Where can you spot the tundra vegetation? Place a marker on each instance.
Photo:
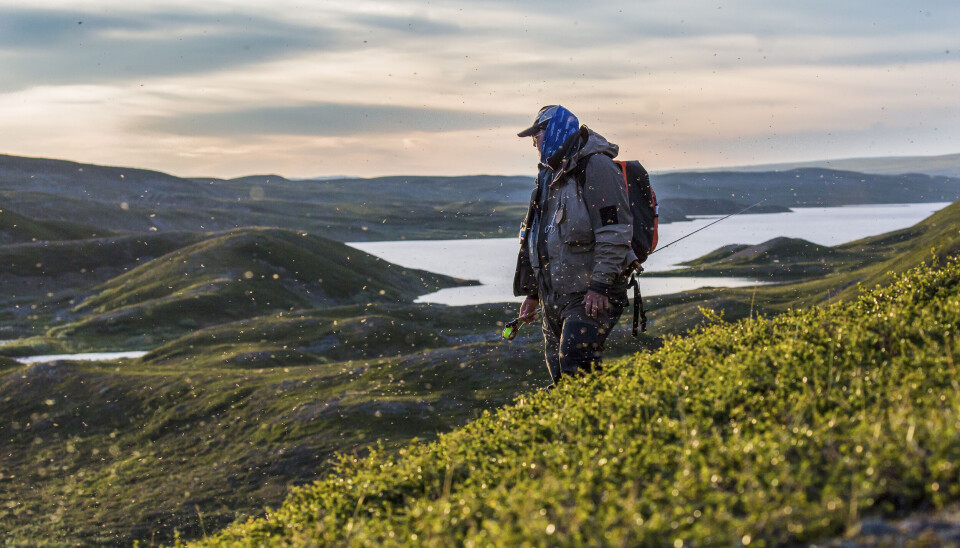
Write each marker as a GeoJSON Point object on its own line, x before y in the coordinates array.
{"type": "Point", "coordinates": [279, 355]}
{"type": "Point", "coordinates": [766, 432]}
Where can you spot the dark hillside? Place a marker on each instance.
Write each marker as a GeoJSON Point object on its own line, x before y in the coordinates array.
{"type": "Point", "coordinates": [808, 187]}
{"type": "Point", "coordinates": [97, 183]}
{"type": "Point", "coordinates": [239, 274]}
{"type": "Point", "coordinates": [390, 208]}
{"type": "Point", "coordinates": [15, 228]}
{"type": "Point", "coordinates": [775, 260]}
{"type": "Point", "coordinates": [42, 280]}
{"type": "Point", "coordinates": [130, 451]}
{"type": "Point", "coordinates": [90, 256]}
{"type": "Point", "coordinates": [410, 189]}
{"type": "Point", "coordinates": [947, 165]}
{"type": "Point", "coordinates": [133, 200]}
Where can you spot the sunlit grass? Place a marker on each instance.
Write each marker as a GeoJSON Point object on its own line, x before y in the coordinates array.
{"type": "Point", "coordinates": [764, 432]}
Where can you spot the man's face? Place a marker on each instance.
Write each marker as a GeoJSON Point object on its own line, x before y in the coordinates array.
{"type": "Point", "coordinates": [538, 139]}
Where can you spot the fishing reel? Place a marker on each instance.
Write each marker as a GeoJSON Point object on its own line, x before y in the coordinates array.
{"type": "Point", "coordinates": [511, 328]}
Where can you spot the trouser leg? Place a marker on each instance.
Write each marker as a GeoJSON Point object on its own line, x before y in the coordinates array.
{"type": "Point", "coordinates": [573, 340]}
{"type": "Point", "coordinates": [552, 331]}
{"type": "Point", "coordinates": [580, 347]}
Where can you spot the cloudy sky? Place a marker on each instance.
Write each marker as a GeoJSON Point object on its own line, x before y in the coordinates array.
{"type": "Point", "coordinates": [361, 87]}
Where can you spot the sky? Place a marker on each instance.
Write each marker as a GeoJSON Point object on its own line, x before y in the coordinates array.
{"type": "Point", "coordinates": [368, 88]}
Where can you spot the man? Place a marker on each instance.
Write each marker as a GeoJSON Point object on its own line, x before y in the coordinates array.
{"type": "Point", "coordinates": [575, 251]}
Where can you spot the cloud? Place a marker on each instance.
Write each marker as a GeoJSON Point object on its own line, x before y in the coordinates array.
{"type": "Point", "coordinates": [324, 119]}
{"type": "Point", "coordinates": [402, 81]}
{"type": "Point", "coordinates": [669, 19]}
{"type": "Point", "coordinates": [43, 47]}
{"type": "Point", "coordinates": [419, 26]}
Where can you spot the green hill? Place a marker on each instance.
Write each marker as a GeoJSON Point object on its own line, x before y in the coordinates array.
{"type": "Point", "coordinates": [239, 274]}
{"type": "Point", "coordinates": [765, 432]}
{"type": "Point", "coordinates": [16, 228]}
{"type": "Point", "coordinates": [43, 280]}
{"type": "Point", "coordinates": [216, 424]}
{"type": "Point", "coordinates": [779, 259]}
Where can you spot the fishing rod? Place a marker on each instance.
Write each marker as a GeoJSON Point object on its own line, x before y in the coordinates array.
{"type": "Point", "coordinates": [511, 328]}
{"type": "Point", "coordinates": [707, 226]}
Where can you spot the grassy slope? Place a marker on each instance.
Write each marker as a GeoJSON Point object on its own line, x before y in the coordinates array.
{"type": "Point", "coordinates": [112, 453]}
{"type": "Point", "coordinates": [230, 469]}
{"type": "Point", "coordinates": [15, 228]}
{"type": "Point", "coordinates": [43, 280]}
{"type": "Point", "coordinates": [334, 334]}
{"type": "Point", "coordinates": [779, 259]}
{"type": "Point", "coordinates": [220, 278]}
{"type": "Point", "coordinates": [765, 432]}
{"type": "Point", "coordinates": [866, 262]}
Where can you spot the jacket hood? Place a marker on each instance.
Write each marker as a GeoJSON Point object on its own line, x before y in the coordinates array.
{"type": "Point", "coordinates": [595, 143]}
{"type": "Point", "coordinates": [581, 144]}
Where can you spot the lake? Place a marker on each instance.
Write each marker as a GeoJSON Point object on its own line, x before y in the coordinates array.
{"type": "Point", "coordinates": [492, 261]}
{"type": "Point", "coordinates": [91, 356]}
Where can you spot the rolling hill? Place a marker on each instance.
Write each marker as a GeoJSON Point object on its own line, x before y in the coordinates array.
{"type": "Point", "coordinates": [216, 279]}
{"type": "Point", "coordinates": [390, 208]}
{"type": "Point", "coordinates": [777, 259]}
{"type": "Point", "coordinates": [15, 228]}
{"type": "Point", "coordinates": [133, 200]}
{"type": "Point", "coordinates": [213, 428]}
{"type": "Point", "coordinates": [807, 187]}
{"type": "Point", "coordinates": [947, 165]}
{"type": "Point", "coordinates": [242, 397]}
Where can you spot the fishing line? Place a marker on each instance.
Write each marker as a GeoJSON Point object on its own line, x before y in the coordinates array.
{"type": "Point", "coordinates": [707, 226]}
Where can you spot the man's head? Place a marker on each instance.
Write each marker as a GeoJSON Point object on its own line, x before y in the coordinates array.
{"type": "Point", "coordinates": [552, 126]}
{"type": "Point", "coordinates": [540, 122]}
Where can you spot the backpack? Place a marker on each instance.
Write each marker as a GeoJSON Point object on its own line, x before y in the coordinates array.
{"type": "Point", "coordinates": [646, 226]}
{"type": "Point", "coordinates": [643, 207]}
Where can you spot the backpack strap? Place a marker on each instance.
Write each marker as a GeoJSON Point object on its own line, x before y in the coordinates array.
{"type": "Point", "coordinates": [639, 314]}
{"type": "Point", "coordinates": [626, 182]}
{"type": "Point", "coordinates": [580, 171]}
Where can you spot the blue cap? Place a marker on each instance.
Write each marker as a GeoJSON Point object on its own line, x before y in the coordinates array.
{"type": "Point", "coordinates": [540, 122]}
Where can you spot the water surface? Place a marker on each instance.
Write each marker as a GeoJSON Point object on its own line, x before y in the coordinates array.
{"type": "Point", "coordinates": [492, 261]}
{"type": "Point", "coordinates": [90, 356]}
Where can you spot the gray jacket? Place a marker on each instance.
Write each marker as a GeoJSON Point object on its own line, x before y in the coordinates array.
{"type": "Point", "coordinates": [578, 227]}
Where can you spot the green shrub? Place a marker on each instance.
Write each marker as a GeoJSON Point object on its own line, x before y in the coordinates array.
{"type": "Point", "coordinates": [764, 432]}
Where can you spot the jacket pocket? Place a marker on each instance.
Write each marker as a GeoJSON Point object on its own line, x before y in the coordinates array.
{"type": "Point", "coordinates": [575, 228]}
{"type": "Point", "coordinates": [573, 271]}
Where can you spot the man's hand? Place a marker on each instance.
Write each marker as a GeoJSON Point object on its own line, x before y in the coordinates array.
{"type": "Point", "coordinates": [528, 310]}
{"type": "Point", "coordinates": [595, 304]}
